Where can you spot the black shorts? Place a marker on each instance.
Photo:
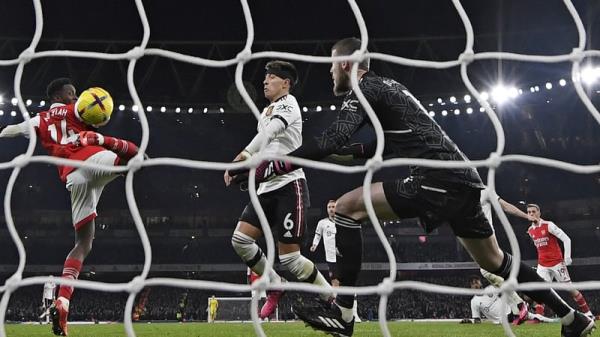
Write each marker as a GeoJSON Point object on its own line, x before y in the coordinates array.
{"type": "Point", "coordinates": [285, 209]}
{"type": "Point", "coordinates": [436, 203]}
{"type": "Point", "coordinates": [332, 270]}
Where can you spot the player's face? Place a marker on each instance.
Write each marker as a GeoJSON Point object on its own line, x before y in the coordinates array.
{"type": "Point", "coordinates": [67, 95]}
{"type": "Point", "coordinates": [341, 78]}
{"type": "Point", "coordinates": [534, 212]}
{"type": "Point", "coordinates": [331, 209]}
{"type": "Point", "coordinates": [476, 284]}
{"type": "Point", "coordinates": [274, 87]}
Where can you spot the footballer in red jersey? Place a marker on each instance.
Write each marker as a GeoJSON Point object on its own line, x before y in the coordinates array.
{"type": "Point", "coordinates": [551, 263]}
{"type": "Point", "coordinates": [64, 134]}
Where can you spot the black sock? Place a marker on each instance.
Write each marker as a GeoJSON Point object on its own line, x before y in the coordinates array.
{"type": "Point", "coordinates": [348, 240]}
{"type": "Point", "coordinates": [527, 274]}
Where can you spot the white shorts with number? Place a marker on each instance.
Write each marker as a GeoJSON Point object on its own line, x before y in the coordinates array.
{"type": "Point", "coordinates": [86, 187]}
{"type": "Point", "coordinates": [558, 272]}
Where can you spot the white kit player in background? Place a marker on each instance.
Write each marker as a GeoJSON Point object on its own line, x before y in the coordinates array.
{"type": "Point", "coordinates": [326, 230]}
{"type": "Point", "coordinates": [48, 296]}
{"type": "Point", "coordinates": [551, 264]}
{"type": "Point", "coordinates": [490, 306]}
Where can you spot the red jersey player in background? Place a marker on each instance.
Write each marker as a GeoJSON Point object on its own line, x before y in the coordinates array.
{"type": "Point", "coordinates": [551, 264]}
{"type": "Point", "coordinates": [64, 134]}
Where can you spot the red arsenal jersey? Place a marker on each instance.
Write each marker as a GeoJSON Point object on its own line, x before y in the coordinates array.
{"type": "Point", "coordinates": [549, 253]}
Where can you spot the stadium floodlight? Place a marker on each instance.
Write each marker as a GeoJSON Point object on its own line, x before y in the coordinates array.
{"type": "Point", "coordinates": [485, 96]}
{"type": "Point", "coordinates": [562, 82]}
{"type": "Point", "coordinates": [14, 101]}
{"type": "Point", "coordinates": [520, 91]}
{"type": "Point", "coordinates": [205, 110]}
{"type": "Point", "coordinates": [177, 110]}
{"type": "Point", "coordinates": [1, 112]}
{"type": "Point", "coordinates": [440, 100]}
{"type": "Point", "coordinates": [537, 88]}
{"type": "Point", "coordinates": [467, 98]}
{"type": "Point", "coordinates": [590, 75]}
{"type": "Point", "coordinates": [222, 110]}
{"type": "Point", "coordinates": [13, 113]}
{"type": "Point", "coordinates": [163, 109]}
{"type": "Point", "coordinates": [28, 102]}
{"type": "Point", "coordinates": [149, 108]}
{"type": "Point", "coordinates": [532, 89]}
{"type": "Point", "coordinates": [548, 85]}
{"type": "Point", "coordinates": [430, 104]}
{"type": "Point", "coordinates": [121, 107]}
{"type": "Point", "coordinates": [134, 108]}
{"type": "Point", "coordinates": [1, 99]}
{"type": "Point", "coordinates": [513, 92]}
{"type": "Point", "coordinates": [305, 109]}
{"type": "Point", "coordinates": [190, 110]}
{"type": "Point", "coordinates": [444, 113]}
{"type": "Point", "coordinates": [457, 112]}
{"type": "Point", "coordinates": [469, 110]}
{"type": "Point", "coordinates": [319, 108]}
{"type": "Point", "coordinates": [481, 109]}
{"type": "Point", "coordinates": [432, 113]}
{"type": "Point", "coordinates": [332, 107]}
{"type": "Point", "coordinates": [452, 99]}
{"type": "Point", "coordinates": [42, 103]}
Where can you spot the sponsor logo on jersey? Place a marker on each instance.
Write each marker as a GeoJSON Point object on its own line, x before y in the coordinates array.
{"type": "Point", "coordinates": [350, 105]}
{"type": "Point", "coordinates": [284, 108]}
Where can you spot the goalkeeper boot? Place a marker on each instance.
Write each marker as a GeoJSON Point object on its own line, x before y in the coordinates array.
{"type": "Point", "coordinates": [523, 314]}
{"type": "Point", "coordinates": [325, 318]}
{"type": "Point", "coordinates": [580, 327]}
{"type": "Point", "coordinates": [270, 305]}
{"type": "Point", "coordinates": [59, 311]}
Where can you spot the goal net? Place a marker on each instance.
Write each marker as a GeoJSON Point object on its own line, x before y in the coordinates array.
{"type": "Point", "coordinates": [245, 309]}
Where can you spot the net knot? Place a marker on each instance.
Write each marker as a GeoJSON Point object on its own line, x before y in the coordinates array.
{"type": "Point", "coordinates": [20, 161]}
{"type": "Point", "coordinates": [374, 164]}
{"type": "Point", "coordinates": [136, 285]}
{"type": "Point", "coordinates": [386, 287]}
{"type": "Point", "coordinates": [12, 283]}
{"type": "Point", "coordinates": [509, 285]}
{"type": "Point", "coordinates": [244, 56]}
{"type": "Point", "coordinates": [26, 55]}
{"type": "Point", "coordinates": [135, 163]}
{"type": "Point", "coordinates": [135, 53]}
{"type": "Point", "coordinates": [577, 55]}
{"type": "Point", "coordinates": [466, 57]}
{"type": "Point", "coordinates": [495, 160]}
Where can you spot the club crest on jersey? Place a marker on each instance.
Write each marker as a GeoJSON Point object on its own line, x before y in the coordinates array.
{"type": "Point", "coordinates": [269, 111]}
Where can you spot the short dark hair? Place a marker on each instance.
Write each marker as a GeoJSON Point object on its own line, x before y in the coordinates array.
{"type": "Point", "coordinates": [56, 86]}
{"type": "Point", "coordinates": [348, 46]}
{"type": "Point", "coordinates": [283, 69]}
{"type": "Point", "coordinates": [474, 278]}
{"type": "Point", "coordinates": [330, 201]}
{"type": "Point", "coordinates": [534, 206]}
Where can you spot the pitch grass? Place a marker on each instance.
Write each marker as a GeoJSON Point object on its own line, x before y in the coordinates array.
{"type": "Point", "coordinates": [367, 329]}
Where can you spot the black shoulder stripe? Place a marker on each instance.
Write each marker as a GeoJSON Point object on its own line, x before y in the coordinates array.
{"type": "Point", "coordinates": [285, 123]}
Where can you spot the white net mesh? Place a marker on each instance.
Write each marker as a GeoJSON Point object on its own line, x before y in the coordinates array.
{"type": "Point", "coordinates": [385, 288]}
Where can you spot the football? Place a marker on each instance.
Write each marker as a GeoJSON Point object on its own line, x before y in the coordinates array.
{"type": "Point", "coordinates": [94, 106]}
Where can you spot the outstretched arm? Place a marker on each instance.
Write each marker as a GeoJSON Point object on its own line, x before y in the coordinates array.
{"type": "Point", "coordinates": [514, 210]}
{"type": "Point", "coordinates": [21, 129]}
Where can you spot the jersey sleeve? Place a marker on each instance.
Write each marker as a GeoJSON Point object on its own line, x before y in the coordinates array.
{"type": "Point", "coordinates": [350, 117]}
{"type": "Point", "coordinates": [318, 233]}
{"type": "Point", "coordinates": [267, 134]}
{"type": "Point", "coordinates": [475, 313]}
{"type": "Point", "coordinates": [562, 236]}
{"type": "Point", "coordinates": [287, 112]}
{"type": "Point", "coordinates": [21, 129]}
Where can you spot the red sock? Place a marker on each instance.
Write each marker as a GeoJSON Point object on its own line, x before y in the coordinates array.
{"type": "Point", "coordinates": [123, 148]}
{"type": "Point", "coordinates": [539, 309]}
{"type": "Point", "coordinates": [70, 270]}
{"type": "Point", "coordinates": [583, 306]}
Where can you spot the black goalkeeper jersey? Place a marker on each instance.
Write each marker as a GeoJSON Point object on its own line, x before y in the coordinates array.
{"type": "Point", "coordinates": [409, 131]}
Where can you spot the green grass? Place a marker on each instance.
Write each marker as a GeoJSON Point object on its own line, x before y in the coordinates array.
{"type": "Point", "coordinates": [370, 329]}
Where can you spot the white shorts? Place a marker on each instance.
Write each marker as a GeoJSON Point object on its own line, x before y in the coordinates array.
{"type": "Point", "coordinates": [86, 187]}
{"type": "Point", "coordinates": [558, 272]}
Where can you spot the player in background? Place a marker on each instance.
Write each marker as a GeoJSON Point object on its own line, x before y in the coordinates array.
{"type": "Point", "coordinates": [213, 306]}
{"type": "Point", "coordinates": [435, 195]}
{"type": "Point", "coordinates": [48, 297]}
{"type": "Point", "coordinates": [551, 264]}
{"type": "Point", "coordinates": [326, 230]}
{"type": "Point", "coordinates": [63, 134]}
{"type": "Point", "coordinates": [490, 307]}
{"type": "Point", "coordinates": [284, 198]}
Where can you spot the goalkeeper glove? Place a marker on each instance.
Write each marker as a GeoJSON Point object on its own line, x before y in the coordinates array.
{"type": "Point", "coordinates": [269, 169]}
